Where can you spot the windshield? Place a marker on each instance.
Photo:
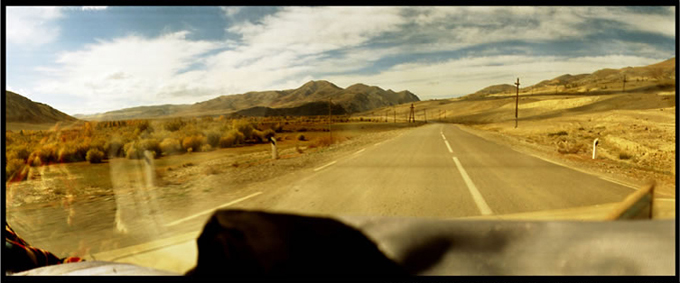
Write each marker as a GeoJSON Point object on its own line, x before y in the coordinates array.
{"type": "Point", "coordinates": [127, 127]}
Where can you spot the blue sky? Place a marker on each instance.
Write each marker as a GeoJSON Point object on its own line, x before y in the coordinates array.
{"type": "Point", "coordinates": [84, 60]}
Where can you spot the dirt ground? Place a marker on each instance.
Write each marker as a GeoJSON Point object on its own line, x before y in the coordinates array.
{"type": "Point", "coordinates": [78, 209]}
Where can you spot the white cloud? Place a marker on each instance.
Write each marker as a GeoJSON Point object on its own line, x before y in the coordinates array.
{"type": "Point", "coordinates": [231, 11]}
{"type": "Point", "coordinates": [32, 26]}
{"type": "Point", "coordinates": [467, 75]}
{"type": "Point", "coordinates": [93, 8]}
{"type": "Point", "coordinates": [131, 69]}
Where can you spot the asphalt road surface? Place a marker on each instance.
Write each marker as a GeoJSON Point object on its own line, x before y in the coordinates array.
{"type": "Point", "coordinates": [437, 170]}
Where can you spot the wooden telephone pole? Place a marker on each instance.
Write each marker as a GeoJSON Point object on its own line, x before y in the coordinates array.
{"type": "Point", "coordinates": [516, 102]}
{"type": "Point", "coordinates": [330, 132]}
{"type": "Point", "coordinates": [412, 115]}
{"type": "Point", "coordinates": [624, 83]}
{"type": "Point", "coordinates": [425, 115]}
{"type": "Point", "coordinates": [395, 115]}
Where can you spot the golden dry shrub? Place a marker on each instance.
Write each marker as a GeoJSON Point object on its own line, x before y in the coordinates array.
{"type": "Point", "coordinates": [151, 145]}
{"type": "Point", "coordinates": [174, 125]}
{"type": "Point", "coordinates": [268, 133]}
{"type": "Point", "coordinates": [44, 155]}
{"type": "Point", "coordinates": [170, 146]}
{"type": "Point", "coordinates": [257, 135]}
{"type": "Point", "coordinates": [323, 142]}
{"type": "Point", "coordinates": [14, 167]}
{"type": "Point", "coordinates": [227, 141]}
{"type": "Point", "coordinates": [81, 149]}
{"type": "Point", "coordinates": [67, 153]}
{"type": "Point", "coordinates": [114, 148]}
{"type": "Point", "coordinates": [94, 156]}
{"type": "Point", "coordinates": [132, 150]}
{"type": "Point", "coordinates": [213, 138]}
{"type": "Point", "coordinates": [206, 147]}
{"type": "Point", "coordinates": [245, 127]}
{"type": "Point", "coordinates": [18, 151]}
{"type": "Point", "coordinates": [193, 142]}
{"type": "Point", "coordinates": [232, 138]}
{"type": "Point", "coordinates": [301, 137]}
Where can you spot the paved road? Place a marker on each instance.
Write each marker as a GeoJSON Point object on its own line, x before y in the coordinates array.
{"type": "Point", "coordinates": [437, 170]}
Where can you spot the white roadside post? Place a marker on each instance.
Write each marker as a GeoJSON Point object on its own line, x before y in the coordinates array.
{"type": "Point", "coordinates": [275, 154]}
{"type": "Point", "coordinates": [595, 142]}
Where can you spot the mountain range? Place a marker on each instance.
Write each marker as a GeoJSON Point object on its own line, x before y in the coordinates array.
{"type": "Point", "coordinates": [301, 101]}
{"type": "Point", "coordinates": [662, 73]}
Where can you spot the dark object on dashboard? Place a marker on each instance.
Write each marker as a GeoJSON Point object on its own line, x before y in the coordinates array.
{"type": "Point", "coordinates": [238, 242]}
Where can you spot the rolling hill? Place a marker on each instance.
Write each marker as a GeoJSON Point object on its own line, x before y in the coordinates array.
{"type": "Point", "coordinates": [300, 101]}
{"type": "Point", "coordinates": [656, 75]}
{"type": "Point", "coordinates": [19, 109]}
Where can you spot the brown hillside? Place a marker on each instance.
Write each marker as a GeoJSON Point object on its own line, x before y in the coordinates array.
{"type": "Point", "coordinates": [19, 109]}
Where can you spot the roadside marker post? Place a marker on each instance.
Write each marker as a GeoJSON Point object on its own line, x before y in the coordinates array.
{"type": "Point", "coordinates": [595, 143]}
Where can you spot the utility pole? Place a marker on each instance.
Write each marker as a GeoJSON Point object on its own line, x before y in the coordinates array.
{"type": "Point", "coordinates": [387, 114]}
{"type": "Point", "coordinates": [412, 115]}
{"type": "Point", "coordinates": [330, 131]}
{"type": "Point", "coordinates": [425, 115]}
{"type": "Point", "coordinates": [516, 102]}
{"type": "Point", "coordinates": [440, 115]}
{"type": "Point", "coordinates": [624, 83]}
{"type": "Point", "coordinates": [395, 115]}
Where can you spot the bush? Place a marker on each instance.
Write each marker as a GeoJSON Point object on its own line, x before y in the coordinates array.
{"type": "Point", "coordinates": [213, 139]}
{"type": "Point", "coordinates": [567, 147]}
{"type": "Point", "coordinates": [206, 147]}
{"type": "Point", "coordinates": [20, 152]}
{"type": "Point", "coordinates": [245, 127]}
{"type": "Point", "coordinates": [173, 125]}
{"type": "Point", "coordinates": [68, 154]}
{"type": "Point", "coordinates": [14, 166]}
{"type": "Point", "coordinates": [323, 142]}
{"type": "Point", "coordinates": [170, 146]}
{"type": "Point", "coordinates": [268, 133]}
{"type": "Point", "coordinates": [151, 145]}
{"type": "Point", "coordinates": [94, 156]}
{"type": "Point", "coordinates": [114, 148]}
{"type": "Point", "coordinates": [44, 155]}
{"type": "Point", "coordinates": [226, 141]}
{"type": "Point", "coordinates": [560, 133]}
{"type": "Point", "coordinates": [193, 142]}
{"type": "Point", "coordinates": [257, 135]}
{"type": "Point", "coordinates": [301, 137]}
{"type": "Point", "coordinates": [81, 151]}
{"type": "Point", "coordinates": [132, 150]}
{"type": "Point", "coordinates": [277, 128]}
{"type": "Point", "coordinates": [624, 155]}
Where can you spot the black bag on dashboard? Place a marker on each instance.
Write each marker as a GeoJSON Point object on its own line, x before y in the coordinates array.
{"type": "Point", "coordinates": [237, 242]}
